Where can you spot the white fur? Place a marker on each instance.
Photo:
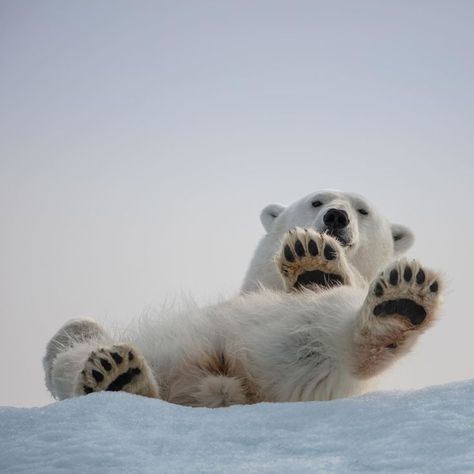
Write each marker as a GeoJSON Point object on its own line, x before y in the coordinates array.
{"type": "Point", "coordinates": [374, 245]}
{"type": "Point", "coordinates": [280, 346]}
{"type": "Point", "coordinates": [282, 340]}
{"type": "Point", "coordinates": [266, 345]}
{"type": "Point", "coordinates": [297, 346]}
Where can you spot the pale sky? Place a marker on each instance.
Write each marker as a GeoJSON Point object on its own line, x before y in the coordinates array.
{"type": "Point", "coordinates": [139, 142]}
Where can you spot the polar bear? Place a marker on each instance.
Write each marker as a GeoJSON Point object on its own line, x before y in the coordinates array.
{"type": "Point", "coordinates": [269, 345]}
{"type": "Point", "coordinates": [369, 240]}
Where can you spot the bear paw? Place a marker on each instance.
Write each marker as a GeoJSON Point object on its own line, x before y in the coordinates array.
{"type": "Point", "coordinates": [310, 259]}
{"type": "Point", "coordinates": [405, 290]}
{"type": "Point", "coordinates": [115, 368]}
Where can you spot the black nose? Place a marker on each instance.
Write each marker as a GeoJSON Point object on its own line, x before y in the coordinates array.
{"type": "Point", "coordinates": [336, 219]}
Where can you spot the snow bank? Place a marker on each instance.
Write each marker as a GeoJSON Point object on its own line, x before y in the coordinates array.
{"type": "Point", "coordinates": [430, 430]}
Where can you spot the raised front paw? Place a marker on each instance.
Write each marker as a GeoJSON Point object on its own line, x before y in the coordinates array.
{"type": "Point", "coordinates": [310, 259]}
{"type": "Point", "coordinates": [115, 368]}
{"type": "Point", "coordinates": [406, 290]}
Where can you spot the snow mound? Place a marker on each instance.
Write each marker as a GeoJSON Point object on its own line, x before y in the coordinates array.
{"type": "Point", "coordinates": [430, 430]}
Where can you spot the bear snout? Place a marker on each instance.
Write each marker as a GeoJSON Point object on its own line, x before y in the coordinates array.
{"type": "Point", "coordinates": [336, 219]}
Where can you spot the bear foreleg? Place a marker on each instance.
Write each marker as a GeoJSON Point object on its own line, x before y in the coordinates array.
{"type": "Point", "coordinates": [309, 259]}
{"type": "Point", "coordinates": [401, 304]}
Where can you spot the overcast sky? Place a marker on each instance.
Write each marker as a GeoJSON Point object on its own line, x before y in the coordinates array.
{"type": "Point", "coordinates": [140, 140]}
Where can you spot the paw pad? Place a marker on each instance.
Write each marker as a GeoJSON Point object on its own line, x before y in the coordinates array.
{"type": "Point", "coordinates": [106, 364]}
{"type": "Point", "coordinates": [109, 369]}
{"type": "Point", "coordinates": [309, 258]}
{"type": "Point", "coordinates": [407, 274]}
{"type": "Point", "coordinates": [329, 252]}
{"type": "Point", "coordinates": [98, 377]}
{"type": "Point", "coordinates": [117, 357]}
{"type": "Point", "coordinates": [408, 297]}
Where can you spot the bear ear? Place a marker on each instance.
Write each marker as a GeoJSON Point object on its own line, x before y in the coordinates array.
{"type": "Point", "coordinates": [269, 214]}
{"type": "Point", "coordinates": [403, 238]}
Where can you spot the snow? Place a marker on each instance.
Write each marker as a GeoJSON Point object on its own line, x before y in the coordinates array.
{"type": "Point", "coordinates": [430, 430]}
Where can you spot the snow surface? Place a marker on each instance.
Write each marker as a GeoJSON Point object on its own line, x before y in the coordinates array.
{"type": "Point", "coordinates": [430, 430]}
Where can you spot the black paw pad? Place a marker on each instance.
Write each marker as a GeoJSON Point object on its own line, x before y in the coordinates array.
{"type": "Point", "coordinates": [130, 355]}
{"type": "Point", "coordinates": [98, 377]}
{"type": "Point", "coordinates": [434, 287]}
{"type": "Point", "coordinates": [123, 380]}
{"type": "Point", "coordinates": [420, 277]}
{"type": "Point", "coordinates": [393, 277]}
{"type": "Point", "coordinates": [299, 249]}
{"type": "Point", "coordinates": [329, 252]}
{"type": "Point", "coordinates": [407, 274]}
{"type": "Point", "coordinates": [378, 291]}
{"type": "Point", "coordinates": [117, 357]}
{"type": "Point", "coordinates": [105, 364]}
{"type": "Point", "coordinates": [313, 248]}
{"type": "Point", "coordinates": [317, 277]}
{"type": "Point", "coordinates": [87, 389]}
{"type": "Point", "coordinates": [288, 254]}
{"type": "Point", "coordinates": [404, 307]}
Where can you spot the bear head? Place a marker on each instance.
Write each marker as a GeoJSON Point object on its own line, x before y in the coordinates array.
{"type": "Point", "coordinates": [370, 241]}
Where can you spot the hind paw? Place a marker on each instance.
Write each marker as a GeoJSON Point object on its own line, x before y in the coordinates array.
{"type": "Point", "coordinates": [116, 368]}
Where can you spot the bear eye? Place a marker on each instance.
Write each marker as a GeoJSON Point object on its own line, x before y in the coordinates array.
{"type": "Point", "coordinates": [317, 203]}
{"type": "Point", "coordinates": [363, 212]}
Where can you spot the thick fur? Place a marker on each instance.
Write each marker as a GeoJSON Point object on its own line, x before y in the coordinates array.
{"type": "Point", "coordinates": [338, 324]}
{"type": "Point", "coordinates": [264, 346]}
{"type": "Point", "coordinates": [373, 242]}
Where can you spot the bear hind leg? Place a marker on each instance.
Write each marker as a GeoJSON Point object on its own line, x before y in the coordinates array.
{"type": "Point", "coordinates": [119, 367]}
{"type": "Point", "coordinates": [80, 334]}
